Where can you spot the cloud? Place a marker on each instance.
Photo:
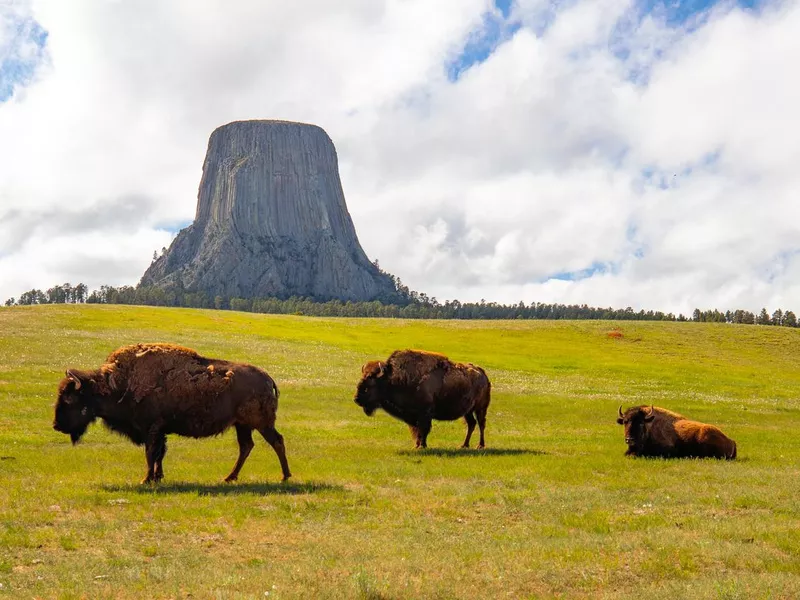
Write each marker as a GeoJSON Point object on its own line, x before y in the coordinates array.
{"type": "Point", "coordinates": [117, 216]}
{"type": "Point", "coordinates": [609, 152]}
{"type": "Point", "coordinates": [109, 243]}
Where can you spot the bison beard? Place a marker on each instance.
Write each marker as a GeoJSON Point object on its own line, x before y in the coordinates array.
{"type": "Point", "coordinates": [417, 387]}
{"type": "Point", "coordinates": [148, 391]}
{"type": "Point", "coordinates": [657, 432]}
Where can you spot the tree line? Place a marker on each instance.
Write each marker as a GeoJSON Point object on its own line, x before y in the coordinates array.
{"type": "Point", "coordinates": [58, 294]}
{"type": "Point", "coordinates": [411, 305]}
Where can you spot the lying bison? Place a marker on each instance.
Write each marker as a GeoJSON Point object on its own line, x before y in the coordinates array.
{"type": "Point", "coordinates": [147, 391]}
{"type": "Point", "coordinates": [651, 431]}
{"type": "Point", "coordinates": [417, 386]}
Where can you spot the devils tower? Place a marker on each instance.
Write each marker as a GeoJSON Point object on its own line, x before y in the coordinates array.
{"type": "Point", "coordinates": [271, 221]}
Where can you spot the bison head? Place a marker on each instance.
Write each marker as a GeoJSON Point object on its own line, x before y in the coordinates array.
{"type": "Point", "coordinates": [75, 405]}
{"type": "Point", "coordinates": [368, 392]}
{"type": "Point", "coordinates": [635, 422]}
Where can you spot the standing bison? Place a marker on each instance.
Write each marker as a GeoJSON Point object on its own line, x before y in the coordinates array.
{"type": "Point", "coordinates": [417, 387]}
{"type": "Point", "coordinates": [147, 391]}
{"type": "Point", "coordinates": [652, 431]}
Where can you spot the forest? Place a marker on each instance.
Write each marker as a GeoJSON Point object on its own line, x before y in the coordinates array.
{"type": "Point", "coordinates": [407, 304]}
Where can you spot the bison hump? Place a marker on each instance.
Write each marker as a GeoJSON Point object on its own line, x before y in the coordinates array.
{"type": "Point", "coordinates": [134, 351]}
{"type": "Point", "coordinates": [413, 365]}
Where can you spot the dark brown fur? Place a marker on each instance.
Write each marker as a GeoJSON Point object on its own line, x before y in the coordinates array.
{"type": "Point", "coordinates": [417, 387]}
{"type": "Point", "coordinates": [653, 431]}
{"type": "Point", "coordinates": [147, 391]}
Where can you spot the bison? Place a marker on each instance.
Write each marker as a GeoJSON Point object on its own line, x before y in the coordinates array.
{"type": "Point", "coordinates": [148, 391]}
{"type": "Point", "coordinates": [417, 386]}
{"type": "Point", "coordinates": [653, 431]}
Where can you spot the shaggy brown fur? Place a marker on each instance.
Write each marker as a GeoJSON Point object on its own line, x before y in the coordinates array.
{"type": "Point", "coordinates": [147, 391]}
{"type": "Point", "coordinates": [417, 387]}
{"type": "Point", "coordinates": [653, 431]}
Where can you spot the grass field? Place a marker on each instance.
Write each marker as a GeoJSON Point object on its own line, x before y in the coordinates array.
{"type": "Point", "coordinates": [551, 509]}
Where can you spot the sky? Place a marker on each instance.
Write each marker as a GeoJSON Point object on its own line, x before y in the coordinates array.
{"type": "Point", "coordinates": [641, 153]}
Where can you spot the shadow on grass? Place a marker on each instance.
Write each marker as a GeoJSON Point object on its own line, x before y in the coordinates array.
{"type": "Point", "coordinates": [459, 452]}
{"type": "Point", "coordinates": [680, 459]}
{"type": "Point", "coordinates": [225, 489]}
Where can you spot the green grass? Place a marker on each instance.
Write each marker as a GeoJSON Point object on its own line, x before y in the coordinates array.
{"type": "Point", "coordinates": [551, 509]}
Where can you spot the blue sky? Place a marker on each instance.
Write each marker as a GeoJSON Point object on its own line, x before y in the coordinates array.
{"type": "Point", "coordinates": [497, 26]}
{"type": "Point", "coordinates": [21, 53]}
{"type": "Point", "coordinates": [501, 24]}
{"type": "Point", "coordinates": [680, 11]}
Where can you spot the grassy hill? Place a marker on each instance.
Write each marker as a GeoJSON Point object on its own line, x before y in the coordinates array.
{"type": "Point", "coordinates": [550, 509]}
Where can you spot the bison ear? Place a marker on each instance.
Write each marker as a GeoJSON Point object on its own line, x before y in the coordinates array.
{"type": "Point", "coordinates": [74, 378]}
{"type": "Point", "coordinates": [368, 367]}
{"type": "Point", "coordinates": [107, 374]}
{"type": "Point", "coordinates": [620, 421]}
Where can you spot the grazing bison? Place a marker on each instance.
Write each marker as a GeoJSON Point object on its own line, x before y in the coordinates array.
{"type": "Point", "coordinates": [651, 431]}
{"type": "Point", "coordinates": [417, 386]}
{"type": "Point", "coordinates": [147, 391]}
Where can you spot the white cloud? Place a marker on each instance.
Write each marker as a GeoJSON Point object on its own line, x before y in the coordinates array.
{"type": "Point", "coordinates": [592, 138]}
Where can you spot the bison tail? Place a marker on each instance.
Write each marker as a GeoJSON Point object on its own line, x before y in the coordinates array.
{"type": "Point", "coordinates": [277, 391]}
{"type": "Point", "coordinates": [733, 453]}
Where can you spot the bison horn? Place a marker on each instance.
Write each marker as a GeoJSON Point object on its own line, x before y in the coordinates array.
{"type": "Point", "coordinates": [651, 414]}
{"type": "Point", "coordinates": [74, 378]}
{"type": "Point", "coordinates": [620, 410]}
{"type": "Point", "coordinates": [381, 369]}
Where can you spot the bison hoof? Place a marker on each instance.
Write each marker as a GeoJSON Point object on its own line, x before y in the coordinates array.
{"type": "Point", "coordinates": [286, 477]}
{"type": "Point", "coordinates": [481, 446]}
{"type": "Point", "coordinates": [230, 479]}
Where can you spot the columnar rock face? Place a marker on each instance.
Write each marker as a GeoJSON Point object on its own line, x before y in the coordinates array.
{"type": "Point", "coordinates": [271, 221]}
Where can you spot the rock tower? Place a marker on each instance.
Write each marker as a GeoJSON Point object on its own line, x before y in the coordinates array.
{"type": "Point", "coordinates": [271, 221]}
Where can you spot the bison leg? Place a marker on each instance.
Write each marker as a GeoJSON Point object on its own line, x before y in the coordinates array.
{"type": "Point", "coordinates": [275, 440]}
{"type": "Point", "coordinates": [154, 449]}
{"type": "Point", "coordinates": [415, 435]}
{"type": "Point", "coordinates": [424, 427]}
{"type": "Point", "coordinates": [161, 451]}
{"type": "Point", "coordinates": [470, 419]}
{"type": "Point", "coordinates": [481, 415]}
{"type": "Point", "coordinates": [244, 436]}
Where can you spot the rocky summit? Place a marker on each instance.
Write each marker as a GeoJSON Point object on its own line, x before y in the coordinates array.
{"type": "Point", "coordinates": [271, 221]}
